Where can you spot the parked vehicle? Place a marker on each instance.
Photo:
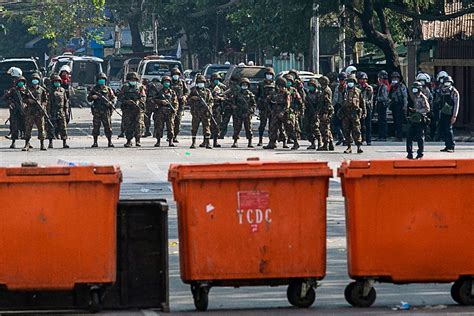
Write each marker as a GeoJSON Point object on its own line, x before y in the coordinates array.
{"type": "Point", "coordinates": [27, 65]}
{"type": "Point", "coordinates": [130, 65]}
{"type": "Point", "coordinates": [155, 67]}
{"type": "Point", "coordinates": [210, 69]}
{"type": "Point", "coordinates": [255, 74]}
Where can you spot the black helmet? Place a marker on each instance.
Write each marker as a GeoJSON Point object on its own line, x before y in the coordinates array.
{"type": "Point", "coordinates": [324, 80]}
{"type": "Point", "coordinates": [383, 75]}
{"type": "Point", "coordinates": [281, 82]}
{"type": "Point", "coordinates": [395, 74]}
{"type": "Point", "coordinates": [293, 72]}
{"type": "Point", "coordinates": [132, 76]}
{"type": "Point", "coordinates": [342, 76]}
{"type": "Point", "coordinates": [101, 76]}
{"type": "Point", "coordinates": [363, 75]}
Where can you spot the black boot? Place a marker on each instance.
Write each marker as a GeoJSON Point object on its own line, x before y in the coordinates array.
{"type": "Point", "coordinates": [27, 145]}
{"type": "Point", "coordinates": [215, 143]}
{"type": "Point", "coordinates": [95, 145]}
{"type": "Point", "coordinates": [319, 145]}
{"type": "Point", "coordinates": [109, 140]}
{"type": "Point", "coordinates": [331, 146]}
{"type": "Point", "coordinates": [284, 144]}
{"type": "Point", "coordinates": [128, 144]}
{"type": "Point", "coordinates": [42, 147]}
{"type": "Point", "coordinates": [234, 145]}
{"type": "Point", "coordinates": [359, 149]}
{"type": "Point", "coordinates": [12, 146]}
{"type": "Point", "coordinates": [260, 141]}
{"type": "Point", "coordinates": [348, 150]}
{"type": "Point", "coordinates": [207, 143]}
{"type": "Point", "coordinates": [170, 143]}
{"type": "Point", "coordinates": [50, 144]}
{"type": "Point", "coordinates": [324, 147]}
{"type": "Point", "coordinates": [137, 142]}
{"type": "Point", "coordinates": [312, 146]}
{"type": "Point", "coordinates": [175, 140]}
{"type": "Point", "coordinates": [158, 142]}
{"type": "Point", "coordinates": [250, 144]}
{"type": "Point", "coordinates": [147, 133]}
{"type": "Point", "coordinates": [193, 144]}
{"type": "Point", "coordinates": [203, 144]}
{"type": "Point", "coordinates": [271, 145]}
{"type": "Point", "coordinates": [65, 145]}
{"type": "Point", "coordinates": [295, 145]}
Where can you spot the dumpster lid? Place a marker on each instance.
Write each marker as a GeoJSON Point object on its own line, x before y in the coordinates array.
{"type": "Point", "coordinates": [355, 169]}
{"type": "Point", "coordinates": [252, 169]}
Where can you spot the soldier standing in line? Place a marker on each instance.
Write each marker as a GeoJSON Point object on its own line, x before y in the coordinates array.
{"type": "Point", "coordinates": [201, 103]}
{"type": "Point", "coordinates": [217, 89]}
{"type": "Point", "coordinates": [37, 102]}
{"type": "Point", "coordinates": [179, 86]}
{"type": "Point", "coordinates": [351, 114]}
{"type": "Point", "coordinates": [265, 90]}
{"type": "Point", "coordinates": [245, 104]}
{"type": "Point", "coordinates": [166, 106]}
{"type": "Point", "coordinates": [417, 118]}
{"type": "Point", "coordinates": [311, 114]}
{"type": "Point", "coordinates": [58, 110]}
{"type": "Point", "coordinates": [325, 113]}
{"type": "Point", "coordinates": [15, 100]}
{"type": "Point", "coordinates": [367, 93]}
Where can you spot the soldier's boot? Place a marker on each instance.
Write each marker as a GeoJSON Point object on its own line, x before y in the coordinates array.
{"type": "Point", "coordinates": [158, 142]}
{"type": "Point", "coordinates": [348, 150]}
{"type": "Point", "coordinates": [128, 144]}
{"type": "Point", "coordinates": [271, 145]}
{"type": "Point", "coordinates": [50, 144]}
{"type": "Point", "coordinates": [359, 150]}
{"type": "Point", "coordinates": [260, 141]}
{"type": "Point", "coordinates": [215, 144]}
{"type": "Point", "coordinates": [137, 142]}
{"type": "Point", "coordinates": [289, 141]}
{"type": "Point", "coordinates": [324, 147]}
{"type": "Point", "coordinates": [65, 145]}
{"type": "Point", "coordinates": [331, 146]}
{"type": "Point", "coordinates": [312, 146]}
{"type": "Point", "coordinates": [250, 145]}
{"type": "Point", "coordinates": [147, 133]}
{"type": "Point", "coordinates": [121, 135]}
{"type": "Point", "coordinates": [31, 147]}
{"type": "Point", "coordinates": [284, 144]}
{"type": "Point", "coordinates": [27, 145]}
{"type": "Point", "coordinates": [95, 145]}
{"type": "Point", "coordinates": [109, 140]}
{"type": "Point", "coordinates": [42, 147]}
{"type": "Point", "coordinates": [234, 145]}
{"type": "Point", "coordinates": [175, 140]}
{"type": "Point", "coordinates": [193, 144]}
{"type": "Point", "coordinates": [319, 145]}
{"type": "Point", "coordinates": [295, 144]}
{"type": "Point", "coordinates": [203, 144]}
{"type": "Point", "coordinates": [12, 146]}
{"type": "Point", "coordinates": [207, 143]}
{"type": "Point", "coordinates": [170, 143]}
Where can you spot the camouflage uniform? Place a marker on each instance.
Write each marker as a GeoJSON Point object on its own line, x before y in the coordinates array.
{"type": "Point", "coordinates": [133, 99]}
{"type": "Point", "coordinates": [265, 90]}
{"type": "Point", "coordinates": [166, 105]}
{"type": "Point", "coordinates": [152, 91]}
{"type": "Point", "coordinates": [325, 113]}
{"type": "Point", "coordinates": [311, 115]}
{"type": "Point", "coordinates": [58, 109]}
{"type": "Point", "coordinates": [297, 105]}
{"type": "Point", "coordinates": [244, 108]}
{"type": "Point", "coordinates": [182, 91]}
{"type": "Point", "coordinates": [201, 112]}
{"type": "Point", "coordinates": [281, 115]}
{"type": "Point", "coordinates": [102, 111]}
{"type": "Point", "coordinates": [34, 115]}
{"type": "Point", "coordinates": [351, 113]}
{"type": "Point", "coordinates": [367, 93]}
{"type": "Point", "coordinates": [227, 107]}
{"type": "Point", "coordinates": [219, 99]}
{"type": "Point", "coordinates": [17, 110]}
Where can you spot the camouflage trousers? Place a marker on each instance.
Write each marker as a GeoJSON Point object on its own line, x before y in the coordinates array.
{"type": "Point", "coordinates": [177, 119]}
{"type": "Point", "coordinates": [312, 127]}
{"type": "Point", "coordinates": [325, 127]}
{"type": "Point", "coordinates": [279, 120]}
{"type": "Point", "coordinates": [133, 122]}
{"type": "Point", "coordinates": [101, 117]}
{"type": "Point", "coordinates": [34, 117]}
{"type": "Point", "coordinates": [201, 115]}
{"type": "Point", "coordinates": [17, 124]}
{"type": "Point", "coordinates": [227, 113]}
{"type": "Point", "coordinates": [216, 127]}
{"type": "Point", "coordinates": [149, 108]}
{"type": "Point", "coordinates": [264, 115]}
{"type": "Point", "coordinates": [164, 116]}
{"type": "Point", "coordinates": [352, 130]}
{"type": "Point", "coordinates": [60, 126]}
{"type": "Point", "coordinates": [245, 120]}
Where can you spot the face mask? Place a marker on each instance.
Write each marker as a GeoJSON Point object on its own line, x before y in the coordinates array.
{"type": "Point", "coordinates": [244, 87]}
{"type": "Point", "coordinates": [35, 81]}
{"type": "Point", "coordinates": [288, 84]}
{"type": "Point", "coordinates": [394, 81]}
{"type": "Point", "coordinates": [216, 82]}
{"type": "Point", "coordinates": [350, 85]}
{"type": "Point", "coordinates": [56, 84]}
{"type": "Point", "coordinates": [269, 77]}
{"type": "Point", "coordinates": [20, 84]}
{"type": "Point", "coordinates": [175, 77]}
{"type": "Point", "coordinates": [311, 88]}
{"type": "Point", "coordinates": [447, 84]}
{"type": "Point", "coordinates": [415, 90]}
{"type": "Point", "coordinates": [101, 82]}
{"type": "Point", "coordinates": [200, 85]}
{"type": "Point", "coordinates": [133, 83]}
{"type": "Point", "coordinates": [166, 85]}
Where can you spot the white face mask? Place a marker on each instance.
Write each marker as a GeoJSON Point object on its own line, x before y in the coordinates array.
{"type": "Point", "coordinates": [394, 81]}
{"type": "Point", "coordinates": [448, 84]}
{"type": "Point", "coordinates": [269, 77]}
{"type": "Point", "coordinates": [415, 90]}
{"type": "Point", "coordinates": [175, 77]}
{"type": "Point", "coordinates": [200, 85]}
{"type": "Point", "coordinates": [244, 87]}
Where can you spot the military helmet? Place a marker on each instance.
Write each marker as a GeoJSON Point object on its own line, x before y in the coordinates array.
{"type": "Point", "coordinates": [293, 71]}
{"type": "Point", "coordinates": [417, 84]}
{"type": "Point", "coordinates": [15, 72]}
{"type": "Point", "coordinates": [423, 76]}
{"type": "Point", "coordinates": [165, 78]}
{"type": "Point", "coordinates": [65, 68]}
{"type": "Point", "coordinates": [269, 70]}
{"type": "Point", "coordinates": [323, 80]}
{"type": "Point", "coordinates": [382, 75]}
{"type": "Point", "coordinates": [395, 74]}
{"type": "Point", "coordinates": [281, 82]}
{"type": "Point", "coordinates": [36, 75]}
{"type": "Point", "coordinates": [200, 78]}
{"type": "Point", "coordinates": [313, 82]}
{"type": "Point", "coordinates": [441, 75]}
{"type": "Point", "coordinates": [55, 77]}
{"type": "Point", "coordinates": [101, 75]}
{"type": "Point", "coordinates": [448, 79]}
{"type": "Point", "coordinates": [21, 78]}
{"type": "Point", "coordinates": [245, 80]}
{"type": "Point", "coordinates": [132, 76]}
{"type": "Point", "coordinates": [289, 77]}
{"type": "Point", "coordinates": [342, 76]}
{"type": "Point", "coordinates": [351, 78]}
{"type": "Point", "coordinates": [216, 76]}
{"type": "Point", "coordinates": [175, 71]}
{"type": "Point", "coordinates": [362, 76]}
{"type": "Point", "coordinates": [351, 70]}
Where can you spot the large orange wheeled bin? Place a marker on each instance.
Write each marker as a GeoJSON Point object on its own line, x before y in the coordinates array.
{"type": "Point", "coordinates": [409, 222]}
{"type": "Point", "coordinates": [58, 228]}
{"type": "Point", "coordinates": [254, 223]}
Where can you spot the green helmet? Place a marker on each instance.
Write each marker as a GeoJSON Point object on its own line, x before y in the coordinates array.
{"type": "Point", "coordinates": [216, 76]}
{"type": "Point", "coordinates": [132, 76]}
{"type": "Point", "coordinates": [269, 70]}
{"type": "Point", "coordinates": [281, 82]}
{"type": "Point", "coordinates": [323, 80]}
{"type": "Point", "coordinates": [101, 75]}
{"type": "Point", "coordinates": [36, 75]}
{"type": "Point", "coordinates": [245, 80]}
{"type": "Point", "coordinates": [201, 78]}
{"type": "Point", "coordinates": [55, 78]}
{"type": "Point", "coordinates": [165, 78]}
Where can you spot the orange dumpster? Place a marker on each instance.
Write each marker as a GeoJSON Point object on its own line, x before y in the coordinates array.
{"type": "Point", "coordinates": [409, 222]}
{"type": "Point", "coordinates": [254, 223]}
{"type": "Point", "coordinates": [58, 228]}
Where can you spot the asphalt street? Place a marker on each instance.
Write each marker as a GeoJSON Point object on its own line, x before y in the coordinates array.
{"type": "Point", "coordinates": [145, 173]}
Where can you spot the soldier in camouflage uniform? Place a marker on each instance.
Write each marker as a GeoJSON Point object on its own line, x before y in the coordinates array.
{"type": "Point", "coordinates": [151, 89]}
{"type": "Point", "coordinates": [281, 115]}
{"type": "Point", "coordinates": [15, 98]}
{"type": "Point", "coordinates": [367, 93]}
{"type": "Point", "coordinates": [244, 107]}
{"type": "Point", "coordinates": [351, 114]}
{"type": "Point", "coordinates": [58, 109]}
{"type": "Point", "coordinates": [201, 102]}
{"type": "Point", "coordinates": [299, 86]}
{"type": "Point", "coordinates": [325, 113]}
{"type": "Point", "coordinates": [103, 99]}
{"type": "Point", "coordinates": [217, 88]}
{"type": "Point", "coordinates": [296, 108]}
{"type": "Point", "coordinates": [181, 89]}
{"type": "Point", "coordinates": [265, 90]}
{"type": "Point", "coordinates": [311, 114]}
{"type": "Point", "coordinates": [34, 115]}
{"type": "Point", "coordinates": [133, 98]}
{"type": "Point", "coordinates": [166, 106]}
{"type": "Point", "coordinates": [227, 106]}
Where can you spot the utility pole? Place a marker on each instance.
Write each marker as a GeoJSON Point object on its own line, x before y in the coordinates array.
{"type": "Point", "coordinates": [342, 37]}
{"type": "Point", "coordinates": [315, 38]}
{"type": "Point", "coordinates": [155, 32]}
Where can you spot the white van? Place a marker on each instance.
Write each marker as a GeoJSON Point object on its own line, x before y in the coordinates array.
{"type": "Point", "coordinates": [155, 67]}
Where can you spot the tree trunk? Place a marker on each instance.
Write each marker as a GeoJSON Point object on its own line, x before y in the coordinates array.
{"type": "Point", "coordinates": [134, 20]}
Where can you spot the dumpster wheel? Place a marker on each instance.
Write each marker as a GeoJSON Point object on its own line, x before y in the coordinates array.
{"type": "Point", "coordinates": [295, 291]}
{"type": "Point", "coordinates": [200, 296]}
{"type": "Point", "coordinates": [354, 295]}
{"type": "Point", "coordinates": [95, 305]}
{"type": "Point", "coordinates": [462, 292]}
